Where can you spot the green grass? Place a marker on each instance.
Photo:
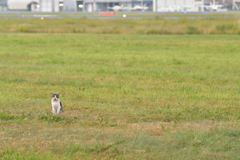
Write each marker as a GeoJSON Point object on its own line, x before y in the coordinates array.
{"type": "Point", "coordinates": [160, 25]}
{"type": "Point", "coordinates": [125, 96]}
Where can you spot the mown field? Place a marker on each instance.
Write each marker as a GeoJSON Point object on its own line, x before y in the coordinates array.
{"type": "Point", "coordinates": [125, 96]}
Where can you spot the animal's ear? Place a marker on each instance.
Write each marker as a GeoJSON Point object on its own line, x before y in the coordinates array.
{"type": "Point", "coordinates": [58, 93]}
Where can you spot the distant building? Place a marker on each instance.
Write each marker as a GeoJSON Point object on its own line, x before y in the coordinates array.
{"type": "Point", "coordinates": [36, 5]}
{"type": "Point", "coordinates": [116, 5]}
{"type": "Point", "coordinates": [190, 5]}
{"type": "Point", "coordinates": [236, 4]}
{"type": "Point", "coordinates": [69, 5]}
{"type": "Point", "coordinates": [104, 5]}
{"type": "Point", "coordinates": [76, 5]}
{"type": "Point", "coordinates": [3, 5]}
{"type": "Point", "coordinates": [23, 5]}
{"type": "Point", "coordinates": [50, 5]}
{"type": "Point", "coordinates": [178, 5]}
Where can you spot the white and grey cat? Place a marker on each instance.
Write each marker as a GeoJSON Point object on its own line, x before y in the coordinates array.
{"type": "Point", "coordinates": [56, 104]}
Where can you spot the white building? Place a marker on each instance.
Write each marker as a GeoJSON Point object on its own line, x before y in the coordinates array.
{"type": "Point", "coordinates": [178, 5]}
{"type": "Point", "coordinates": [236, 4]}
{"type": "Point", "coordinates": [36, 5]}
{"type": "Point", "coordinates": [113, 5]}
{"type": "Point", "coordinates": [191, 5]}
{"type": "Point", "coordinates": [69, 5]}
{"type": "Point", "coordinates": [19, 4]}
{"type": "Point", "coordinates": [50, 5]}
{"type": "Point", "coordinates": [102, 5]}
{"type": "Point", "coordinates": [3, 5]}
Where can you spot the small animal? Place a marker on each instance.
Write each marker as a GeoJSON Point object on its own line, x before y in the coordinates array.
{"type": "Point", "coordinates": [56, 104]}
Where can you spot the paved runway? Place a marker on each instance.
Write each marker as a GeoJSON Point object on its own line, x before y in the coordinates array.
{"type": "Point", "coordinates": [119, 15]}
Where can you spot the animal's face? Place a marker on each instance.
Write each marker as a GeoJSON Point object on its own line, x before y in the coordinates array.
{"type": "Point", "coordinates": [55, 97]}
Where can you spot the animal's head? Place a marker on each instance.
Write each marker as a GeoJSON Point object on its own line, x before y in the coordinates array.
{"type": "Point", "coordinates": [55, 97]}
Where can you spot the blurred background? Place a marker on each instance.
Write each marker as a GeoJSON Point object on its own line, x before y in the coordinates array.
{"type": "Point", "coordinates": [119, 5]}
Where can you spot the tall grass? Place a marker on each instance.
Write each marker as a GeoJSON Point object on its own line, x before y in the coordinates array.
{"type": "Point", "coordinates": [217, 25]}
{"type": "Point", "coordinates": [125, 96]}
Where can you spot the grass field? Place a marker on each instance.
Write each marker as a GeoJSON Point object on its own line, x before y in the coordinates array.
{"type": "Point", "coordinates": [125, 96]}
{"type": "Point", "coordinates": [144, 26]}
